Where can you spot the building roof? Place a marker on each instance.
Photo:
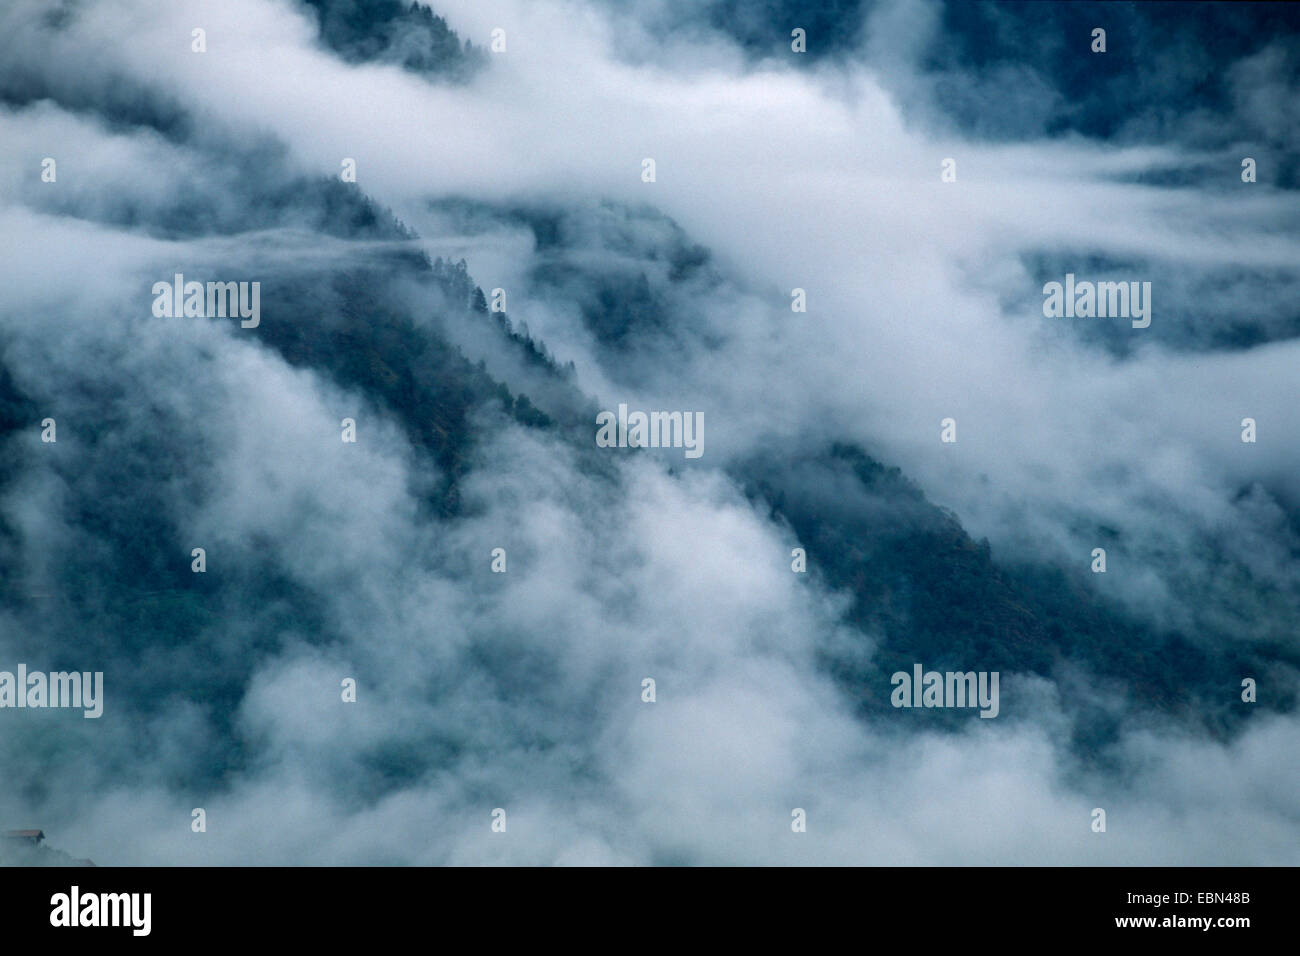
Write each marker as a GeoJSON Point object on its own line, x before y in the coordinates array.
{"type": "Point", "coordinates": [25, 834]}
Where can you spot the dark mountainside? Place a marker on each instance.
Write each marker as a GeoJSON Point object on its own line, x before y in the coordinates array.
{"type": "Point", "coordinates": [1168, 73]}
{"type": "Point", "coordinates": [917, 578]}
{"type": "Point", "coordinates": [391, 31]}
